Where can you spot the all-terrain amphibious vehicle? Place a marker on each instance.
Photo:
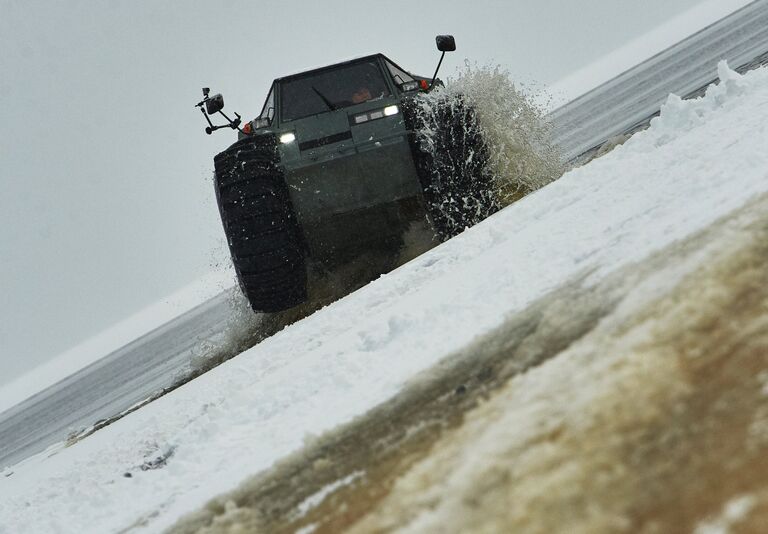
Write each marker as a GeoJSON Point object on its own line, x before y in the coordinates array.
{"type": "Point", "coordinates": [333, 166]}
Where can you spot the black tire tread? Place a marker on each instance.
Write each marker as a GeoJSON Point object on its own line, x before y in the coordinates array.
{"type": "Point", "coordinates": [262, 233]}
{"type": "Point", "coordinates": [446, 177]}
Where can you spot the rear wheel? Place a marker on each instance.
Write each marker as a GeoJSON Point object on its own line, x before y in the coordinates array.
{"type": "Point", "coordinates": [452, 160]}
{"type": "Point", "coordinates": [260, 224]}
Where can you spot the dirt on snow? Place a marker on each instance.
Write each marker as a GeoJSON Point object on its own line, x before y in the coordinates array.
{"type": "Point", "coordinates": [636, 402]}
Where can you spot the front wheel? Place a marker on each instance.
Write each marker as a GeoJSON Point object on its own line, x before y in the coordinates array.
{"type": "Point", "coordinates": [260, 224]}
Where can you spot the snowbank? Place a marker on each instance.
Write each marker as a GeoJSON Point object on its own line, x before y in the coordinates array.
{"type": "Point", "coordinates": [652, 421]}
{"type": "Point", "coordinates": [583, 413]}
{"type": "Point", "coordinates": [699, 161]}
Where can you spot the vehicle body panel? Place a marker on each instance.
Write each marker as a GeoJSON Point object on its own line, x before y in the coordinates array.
{"type": "Point", "coordinates": [349, 181]}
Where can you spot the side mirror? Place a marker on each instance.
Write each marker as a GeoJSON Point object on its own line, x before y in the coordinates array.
{"type": "Point", "coordinates": [214, 104]}
{"type": "Point", "coordinates": [445, 43]}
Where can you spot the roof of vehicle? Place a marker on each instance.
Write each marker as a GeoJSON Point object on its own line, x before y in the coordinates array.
{"type": "Point", "coordinates": [348, 62]}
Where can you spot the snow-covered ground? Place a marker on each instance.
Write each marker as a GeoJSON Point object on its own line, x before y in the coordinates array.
{"type": "Point", "coordinates": [700, 160]}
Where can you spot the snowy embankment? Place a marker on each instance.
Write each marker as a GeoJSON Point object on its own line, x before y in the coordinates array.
{"type": "Point", "coordinates": [700, 161]}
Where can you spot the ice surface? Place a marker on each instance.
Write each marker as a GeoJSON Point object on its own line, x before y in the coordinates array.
{"type": "Point", "coordinates": [642, 48]}
{"type": "Point", "coordinates": [115, 337]}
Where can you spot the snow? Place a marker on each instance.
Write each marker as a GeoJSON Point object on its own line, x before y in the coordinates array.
{"type": "Point", "coordinates": [699, 160]}
{"type": "Point", "coordinates": [113, 338]}
{"type": "Point", "coordinates": [316, 498]}
{"type": "Point", "coordinates": [734, 511]}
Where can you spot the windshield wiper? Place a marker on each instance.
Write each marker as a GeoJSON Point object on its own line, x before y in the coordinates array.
{"type": "Point", "coordinates": [325, 100]}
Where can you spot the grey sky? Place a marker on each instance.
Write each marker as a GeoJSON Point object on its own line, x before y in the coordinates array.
{"type": "Point", "coordinates": [107, 203]}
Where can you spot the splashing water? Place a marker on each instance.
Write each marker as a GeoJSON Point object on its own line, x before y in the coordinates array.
{"type": "Point", "coordinates": [500, 142]}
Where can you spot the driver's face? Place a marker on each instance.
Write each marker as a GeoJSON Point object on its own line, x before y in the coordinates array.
{"type": "Point", "coordinates": [361, 95]}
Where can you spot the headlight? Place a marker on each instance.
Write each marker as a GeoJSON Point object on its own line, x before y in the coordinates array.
{"type": "Point", "coordinates": [286, 138]}
{"type": "Point", "coordinates": [373, 115]}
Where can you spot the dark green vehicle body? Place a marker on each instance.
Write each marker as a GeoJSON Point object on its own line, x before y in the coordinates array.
{"type": "Point", "coordinates": [348, 165]}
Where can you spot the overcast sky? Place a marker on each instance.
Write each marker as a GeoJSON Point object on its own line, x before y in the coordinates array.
{"type": "Point", "coordinates": [107, 203]}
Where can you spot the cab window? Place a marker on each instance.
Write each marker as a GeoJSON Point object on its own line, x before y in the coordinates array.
{"type": "Point", "coordinates": [268, 111]}
{"type": "Point", "coordinates": [332, 89]}
{"type": "Point", "coordinates": [399, 76]}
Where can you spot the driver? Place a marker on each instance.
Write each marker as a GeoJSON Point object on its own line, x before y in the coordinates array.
{"type": "Point", "coordinates": [363, 94]}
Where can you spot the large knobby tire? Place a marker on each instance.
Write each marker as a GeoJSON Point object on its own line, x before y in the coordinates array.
{"type": "Point", "coordinates": [260, 224]}
{"type": "Point", "coordinates": [452, 161]}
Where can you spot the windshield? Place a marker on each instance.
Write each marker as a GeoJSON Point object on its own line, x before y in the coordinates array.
{"type": "Point", "coordinates": [268, 111]}
{"type": "Point", "coordinates": [333, 89]}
